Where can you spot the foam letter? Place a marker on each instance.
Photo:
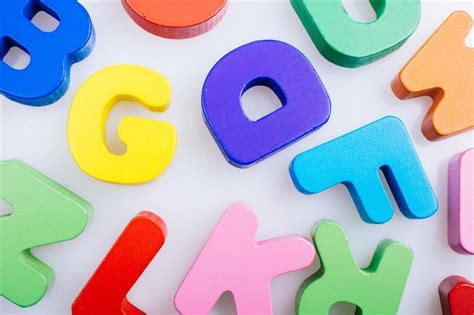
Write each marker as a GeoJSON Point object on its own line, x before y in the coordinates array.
{"type": "Point", "coordinates": [444, 70]}
{"type": "Point", "coordinates": [232, 261]}
{"type": "Point", "coordinates": [350, 43]}
{"type": "Point", "coordinates": [150, 143]}
{"type": "Point", "coordinates": [355, 159]}
{"type": "Point", "coordinates": [377, 289]}
{"type": "Point", "coordinates": [279, 66]}
{"type": "Point", "coordinates": [44, 213]}
{"type": "Point", "coordinates": [46, 78]}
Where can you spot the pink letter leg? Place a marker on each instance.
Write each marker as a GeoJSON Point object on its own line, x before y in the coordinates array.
{"type": "Point", "coordinates": [233, 261]}
{"type": "Point", "coordinates": [461, 202]}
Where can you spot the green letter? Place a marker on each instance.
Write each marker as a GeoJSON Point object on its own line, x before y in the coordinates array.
{"type": "Point", "coordinates": [375, 290]}
{"type": "Point", "coordinates": [349, 43]}
{"type": "Point", "coordinates": [44, 213]}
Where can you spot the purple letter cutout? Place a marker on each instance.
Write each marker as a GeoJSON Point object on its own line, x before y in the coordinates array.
{"type": "Point", "coordinates": [280, 67]}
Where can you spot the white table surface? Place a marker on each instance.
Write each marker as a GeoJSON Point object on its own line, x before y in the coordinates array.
{"type": "Point", "coordinates": [199, 184]}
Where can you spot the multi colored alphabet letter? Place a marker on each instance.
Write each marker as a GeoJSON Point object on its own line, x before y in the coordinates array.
{"type": "Point", "coordinates": [457, 296]}
{"type": "Point", "coordinates": [232, 261]}
{"type": "Point", "coordinates": [280, 67]}
{"type": "Point", "coordinates": [176, 19]}
{"type": "Point", "coordinates": [106, 291]}
{"type": "Point", "coordinates": [150, 143]}
{"type": "Point", "coordinates": [350, 43]}
{"type": "Point", "coordinates": [355, 160]}
{"type": "Point", "coordinates": [44, 213]}
{"type": "Point", "coordinates": [461, 202]}
{"type": "Point", "coordinates": [378, 289]}
{"type": "Point", "coordinates": [46, 78]}
{"type": "Point", "coordinates": [444, 70]}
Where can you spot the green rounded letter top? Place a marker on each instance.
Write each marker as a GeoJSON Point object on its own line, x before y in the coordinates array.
{"type": "Point", "coordinates": [375, 290]}
{"type": "Point", "coordinates": [43, 213]}
{"type": "Point", "coordinates": [349, 43]}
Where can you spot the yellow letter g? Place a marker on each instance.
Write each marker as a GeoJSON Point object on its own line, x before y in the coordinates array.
{"type": "Point", "coordinates": [150, 143]}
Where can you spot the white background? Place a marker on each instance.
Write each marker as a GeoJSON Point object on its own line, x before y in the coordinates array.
{"type": "Point", "coordinates": [199, 184]}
